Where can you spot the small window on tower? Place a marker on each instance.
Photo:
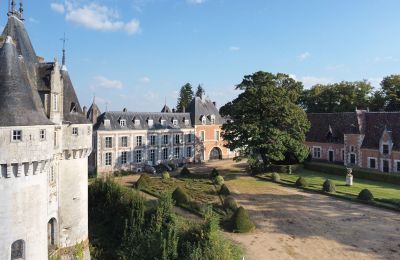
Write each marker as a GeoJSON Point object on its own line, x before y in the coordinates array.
{"type": "Point", "coordinates": [122, 122]}
{"type": "Point", "coordinates": [75, 131]}
{"type": "Point", "coordinates": [73, 107]}
{"type": "Point", "coordinates": [17, 135]}
{"type": "Point", "coordinates": [42, 134]}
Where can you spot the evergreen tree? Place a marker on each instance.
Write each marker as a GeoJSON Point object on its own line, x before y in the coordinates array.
{"type": "Point", "coordinates": [200, 91]}
{"type": "Point", "coordinates": [185, 96]}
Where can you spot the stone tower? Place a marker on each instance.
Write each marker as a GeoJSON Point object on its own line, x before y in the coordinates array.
{"type": "Point", "coordinates": [45, 141]}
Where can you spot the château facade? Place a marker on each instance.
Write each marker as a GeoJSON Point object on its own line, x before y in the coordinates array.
{"type": "Point", "coordinates": [45, 141]}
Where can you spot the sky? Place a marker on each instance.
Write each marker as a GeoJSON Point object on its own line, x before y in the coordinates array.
{"type": "Point", "coordinates": [136, 54]}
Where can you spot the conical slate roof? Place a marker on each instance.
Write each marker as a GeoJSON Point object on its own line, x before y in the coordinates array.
{"type": "Point", "coordinates": [93, 112]}
{"type": "Point", "coordinates": [165, 109]}
{"type": "Point", "coordinates": [19, 102]}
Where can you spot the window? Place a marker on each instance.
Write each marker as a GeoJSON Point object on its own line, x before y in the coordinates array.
{"type": "Point", "coordinates": [202, 136]}
{"type": "Point", "coordinates": [186, 121]}
{"type": "Point", "coordinates": [137, 122]}
{"type": "Point", "coordinates": [352, 158]}
{"type": "Point", "coordinates": [109, 143]}
{"type": "Point", "coordinates": [177, 151]}
{"type": "Point", "coordinates": [385, 149]}
{"type": "Point", "coordinates": [42, 134]}
{"type": "Point", "coordinates": [203, 120]}
{"type": "Point", "coordinates": [153, 155]}
{"type": "Point", "coordinates": [124, 157]}
{"type": "Point", "coordinates": [52, 175]}
{"type": "Point", "coordinates": [165, 153]}
{"type": "Point", "coordinates": [351, 148]}
{"type": "Point", "coordinates": [150, 122]}
{"type": "Point", "coordinates": [152, 140]}
{"type": "Point", "coordinates": [124, 141]}
{"type": "Point", "coordinates": [165, 139]}
{"type": "Point", "coordinates": [212, 119]}
{"type": "Point", "coordinates": [372, 163]}
{"type": "Point", "coordinates": [188, 152]}
{"type": "Point", "coordinates": [18, 250]}
{"type": "Point", "coordinates": [175, 122]}
{"type": "Point", "coordinates": [177, 139]}
{"type": "Point", "coordinates": [139, 156]}
{"type": "Point", "coordinates": [398, 166]}
{"type": "Point", "coordinates": [217, 135]}
{"type": "Point", "coordinates": [75, 131]}
{"type": "Point", "coordinates": [189, 138]}
{"type": "Point", "coordinates": [108, 159]}
{"type": "Point", "coordinates": [317, 152]}
{"type": "Point", "coordinates": [55, 102]}
{"type": "Point", "coordinates": [385, 165]}
{"type": "Point", "coordinates": [55, 139]}
{"type": "Point", "coordinates": [139, 140]}
{"type": "Point", "coordinates": [342, 155]}
{"type": "Point", "coordinates": [17, 135]}
{"type": "Point", "coordinates": [122, 122]}
{"type": "Point", "coordinates": [163, 122]}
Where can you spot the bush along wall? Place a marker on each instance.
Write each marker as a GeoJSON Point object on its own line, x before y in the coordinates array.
{"type": "Point", "coordinates": [289, 169]}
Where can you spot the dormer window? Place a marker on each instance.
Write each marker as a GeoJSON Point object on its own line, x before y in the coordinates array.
{"type": "Point", "coordinates": [175, 122]}
{"type": "Point", "coordinates": [122, 122]}
{"type": "Point", "coordinates": [106, 122]}
{"type": "Point", "coordinates": [186, 121]}
{"type": "Point", "coordinates": [73, 108]}
{"type": "Point", "coordinates": [137, 122]}
{"type": "Point", "coordinates": [163, 122]}
{"type": "Point", "coordinates": [385, 149]}
{"type": "Point", "coordinates": [17, 135]}
{"type": "Point", "coordinates": [212, 119]}
{"type": "Point", "coordinates": [203, 120]}
{"type": "Point", "coordinates": [150, 122]}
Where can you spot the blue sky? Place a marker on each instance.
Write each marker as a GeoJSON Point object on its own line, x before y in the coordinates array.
{"type": "Point", "coordinates": [136, 53]}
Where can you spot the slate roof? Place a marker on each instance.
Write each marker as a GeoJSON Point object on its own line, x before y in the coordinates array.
{"type": "Point", "coordinates": [44, 76]}
{"type": "Point", "coordinates": [93, 112]}
{"type": "Point", "coordinates": [199, 107]}
{"type": "Point", "coordinates": [166, 109]}
{"type": "Point", "coordinates": [20, 103]}
{"type": "Point", "coordinates": [376, 122]}
{"type": "Point", "coordinates": [116, 116]}
{"type": "Point", "coordinates": [331, 127]}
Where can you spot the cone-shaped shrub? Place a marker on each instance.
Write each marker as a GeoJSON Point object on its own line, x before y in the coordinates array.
{"type": "Point", "coordinates": [224, 190]}
{"type": "Point", "coordinates": [329, 186]}
{"type": "Point", "coordinates": [365, 195]}
{"type": "Point", "coordinates": [165, 176]}
{"type": "Point", "coordinates": [219, 180]}
{"type": "Point", "coordinates": [185, 172]}
{"type": "Point", "coordinates": [230, 204]}
{"type": "Point", "coordinates": [301, 182]}
{"type": "Point", "coordinates": [241, 221]}
{"type": "Point", "coordinates": [214, 173]}
{"type": "Point", "coordinates": [143, 182]}
{"type": "Point", "coordinates": [180, 196]}
{"type": "Point", "coordinates": [276, 177]}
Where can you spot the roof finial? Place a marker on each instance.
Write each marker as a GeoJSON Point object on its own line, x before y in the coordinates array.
{"type": "Point", "coordinates": [64, 39]}
{"type": "Point", "coordinates": [11, 7]}
{"type": "Point", "coordinates": [21, 8]}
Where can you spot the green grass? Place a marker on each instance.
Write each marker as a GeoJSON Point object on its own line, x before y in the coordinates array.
{"type": "Point", "coordinates": [383, 192]}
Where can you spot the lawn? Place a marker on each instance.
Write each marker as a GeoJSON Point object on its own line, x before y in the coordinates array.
{"type": "Point", "coordinates": [383, 192]}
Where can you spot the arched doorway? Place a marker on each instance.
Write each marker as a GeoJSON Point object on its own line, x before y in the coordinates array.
{"type": "Point", "coordinates": [216, 154]}
{"type": "Point", "coordinates": [52, 234]}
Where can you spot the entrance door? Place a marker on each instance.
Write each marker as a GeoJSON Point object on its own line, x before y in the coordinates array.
{"type": "Point", "coordinates": [51, 234]}
{"type": "Point", "coordinates": [385, 166]}
{"type": "Point", "coordinates": [330, 154]}
{"type": "Point", "coordinates": [352, 158]}
{"type": "Point", "coordinates": [216, 154]}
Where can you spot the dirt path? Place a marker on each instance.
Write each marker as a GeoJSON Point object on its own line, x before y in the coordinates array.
{"type": "Point", "coordinates": [292, 224]}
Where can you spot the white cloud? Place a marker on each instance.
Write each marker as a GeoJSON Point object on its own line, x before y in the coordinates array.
{"type": "Point", "coordinates": [375, 82]}
{"type": "Point", "coordinates": [310, 81]}
{"type": "Point", "coordinates": [103, 82]}
{"type": "Point", "coordinates": [386, 59]}
{"type": "Point", "coordinates": [234, 48]}
{"type": "Point", "coordinates": [95, 17]}
{"type": "Point", "coordinates": [304, 56]}
{"type": "Point", "coordinates": [145, 80]}
{"type": "Point", "coordinates": [57, 7]}
{"type": "Point", "coordinates": [195, 2]}
{"type": "Point", "coordinates": [335, 67]}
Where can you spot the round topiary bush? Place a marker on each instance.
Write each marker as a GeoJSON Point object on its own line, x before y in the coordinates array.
{"type": "Point", "coordinates": [230, 204]}
{"type": "Point", "coordinates": [166, 176]}
{"type": "Point", "coordinates": [365, 195]}
{"type": "Point", "coordinates": [224, 190]}
{"type": "Point", "coordinates": [185, 171]}
{"type": "Point", "coordinates": [143, 182]}
{"type": "Point", "coordinates": [180, 196]}
{"type": "Point", "coordinates": [276, 177]}
{"type": "Point", "coordinates": [241, 221]}
{"type": "Point", "coordinates": [329, 186]}
{"type": "Point", "coordinates": [214, 173]}
{"type": "Point", "coordinates": [219, 180]}
{"type": "Point", "coordinates": [301, 182]}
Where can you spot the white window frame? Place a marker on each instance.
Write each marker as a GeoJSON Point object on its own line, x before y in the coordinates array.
{"type": "Point", "coordinates": [320, 152]}
{"type": "Point", "coordinates": [122, 123]}
{"type": "Point", "coordinates": [163, 122]}
{"type": "Point", "coordinates": [388, 146]}
{"type": "Point", "coordinates": [108, 142]}
{"type": "Point", "coordinates": [369, 162]}
{"type": "Point", "coordinates": [153, 139]}
{"type": "Point", "coordinates": [175, 122]}
{"type": "Point", "coordinates": [108, 159]}
{"type": "Point", "coordinates": [186, 121]}
{"type": "Point", "coordinates": [75, 131]}
{"type": "Point", "coordinates": [124, 157]}
{"type": "Point", "coordinates": [381, 166]}
{"type": "Point", "coordinates": [139, 156]}
{"type": "Point", "coordinates": [42, 134]}
{"type": "Point", "coordinates": [165, 153]}
{"type": "Point", "coordinates": [327, 155]}
{"type": "Point", "coordinates": [395, 165]}
{"type": "Point", "coordinates": [137, 122]}
{"type": "Point", "coordinates": [355, 158]}
{"type": "Point", "coordinates": [152, 155]}
{"type": "Point", "coordinates": [177, 138]}
{"type": "Point", "coordinates": [203, 120]}
{"type": "Point", "coordinates": [217, 135]}
{"type": "Point", "coordinates": [124, 144]}
{"type": "Point", "coordinates": [139, 140]}
{"type": "Point", "coordinates": [165, 139]}
{"type": "Point", "coordinates": [55, 102]}
{"type": "Point", "coordinates": [213, 119]}
{"type": "Point", "coordinates": [16, 135]}
{"type": "Point", "coordinates": [150, 122]}
{"type": "Point", "coordinates": [189, 153]}
{"type": "Point", "coordinates": [202, 136]}
{"type": "Point", "coordinates": [177, 152]}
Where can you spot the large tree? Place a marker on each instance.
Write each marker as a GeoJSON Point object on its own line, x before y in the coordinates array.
{"type": "Point", "coordinates": [185, 96]}
{"type": "Point", "coordinates": [200, 91]}
{"type": "Point", "coordinates": [338, 97]}
{"type": "Point", "coordinates": [265, 120]}
{"type": "Point", "coordinates": [391, 90]}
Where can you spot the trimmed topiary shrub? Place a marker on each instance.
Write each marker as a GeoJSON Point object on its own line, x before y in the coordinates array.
{"type": "Point", "coordinates": [214, 173]}
{"type": "Point", "coordinates": [276, 177]}
{"type": "Point", "coordinates": [166, 176]}
{"type": "Point", "coordinates": [185, 171]}
{"type": "Point", "coordinates": [180, 196]}
{"type": "Point", "coordinates": [365, 195]}
{"type": "Point", "coordinates": [329, 186]}
{"type": "Point", "coordinates": [172, 166]}
{"type": "Point", "coordinates": [143, 182]}
{"type": "Point", "coordinates": [301, 182]}
{"type": "Point", "coordinates": [219, 180]}
{"type": "Point", "coordinates": [224, 190]}
{"type": "Point", "coordinates": [230, 204]}
{"type": "Point", "coordinates": [241, 221]}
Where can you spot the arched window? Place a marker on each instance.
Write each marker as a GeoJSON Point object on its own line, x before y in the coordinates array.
{"type": "Point", "coordinates": [18, 250]}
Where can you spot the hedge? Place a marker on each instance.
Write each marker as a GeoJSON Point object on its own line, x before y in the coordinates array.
{"type": "Point", "coordinates": [284, 168]}
{"type": "Point", "coordinates": [340, 170]}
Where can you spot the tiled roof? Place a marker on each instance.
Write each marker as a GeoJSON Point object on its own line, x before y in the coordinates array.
{"type": "Point", "coordinates": [200, 107]}
{"type": "Point", "coordinates": [376, 122]}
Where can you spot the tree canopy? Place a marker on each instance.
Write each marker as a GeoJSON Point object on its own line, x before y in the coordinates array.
{"type": "Point", "coordinates": [200, 91]}
{"type": "Point", "coordinates": [185, 96]}
{"type": "Point", "coordinates": [265, 120]}
{"type": "Point", "coordinates": [391, 92]}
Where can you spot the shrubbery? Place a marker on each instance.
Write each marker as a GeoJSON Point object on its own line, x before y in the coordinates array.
{"type": "Point", "coordinates": [214, 173]}
{"type": "Point", "coordinates": [230, 204]}
{"type": "Point", "coordinates": [185, 172]}
{"type": "Point", "coordinates": [241, 221]}
{"type": "Point", "coordinates": [365, 195]}
{"type": "Point", "coordinates": [172, 166]}
{"type": "Point", "coordinates": [219, 180]}
{"type": "Point", "coordinates": [329, 186]}
{"type": "Point", "coordinates": [301, 182]}
{"type": "Point", "coordinates": [180, 196]}
{"type": "Point", "coordinates": [143, 182]}
{"type": "Point", "coordinates": [166, 176]}
{"type": "Point", "coordinates": [276, 177]}
{"type": "Point", "coordinates": [224, 190]}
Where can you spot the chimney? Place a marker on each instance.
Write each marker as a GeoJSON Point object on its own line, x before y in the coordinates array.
{"type": "Point", "coordinates": [173, 110]}
{"type": "Point", "coordinates": [125, 110]}
{"type": "Point", "coordinates": [215, 104]}
{"type": "Point", "coordinates": [85, 111]}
